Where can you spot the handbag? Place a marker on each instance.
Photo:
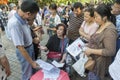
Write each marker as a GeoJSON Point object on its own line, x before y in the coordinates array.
{"type": "Point", "coordinates": [53, 54]}
{"type": "Point", "coordinates": [90, 64]}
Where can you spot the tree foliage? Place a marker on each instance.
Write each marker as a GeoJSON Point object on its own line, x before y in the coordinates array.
{"type": "Point", "coordinates": [47, 2]}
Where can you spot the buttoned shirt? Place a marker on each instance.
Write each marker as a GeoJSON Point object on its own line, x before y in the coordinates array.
{"type": "Point", "coordinates": [19, 31]}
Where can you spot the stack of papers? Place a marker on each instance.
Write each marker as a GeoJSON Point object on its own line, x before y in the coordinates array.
{"type": "Point", "coordinates": [50, 72]}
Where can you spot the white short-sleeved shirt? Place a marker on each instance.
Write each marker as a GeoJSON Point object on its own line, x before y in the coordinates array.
{"type": "Point", "coordinates": [91, 29]}
{"type": "Point", "coordinates": [19, 31]}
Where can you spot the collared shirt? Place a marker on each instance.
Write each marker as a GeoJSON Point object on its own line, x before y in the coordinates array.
{"type": "Point", "coordinates": [11, 13]}
{"type": "Point", "coordinates": [19, 31]}
{"type": "Point", "coordinates": [74, 25]}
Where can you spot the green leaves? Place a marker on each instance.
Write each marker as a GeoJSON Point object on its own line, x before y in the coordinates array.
{"type": "Point", "coordinates": [42, 3]}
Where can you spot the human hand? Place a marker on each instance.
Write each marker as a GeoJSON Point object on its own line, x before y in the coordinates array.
{"type": "Point", "coordinates": [35, 65]}
{"type": "Point", "coordinates": [36, 40]}
{"type": "Point", "coordinates": [61, 61]}
{"type": "Point", "coordinates": [7, 71]}
{"type": "Point", "coordinates": [88, 51]}
{"type": "Point", "coordinates": [5, 64]}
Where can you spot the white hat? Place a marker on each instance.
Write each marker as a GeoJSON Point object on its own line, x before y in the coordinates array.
{"type": "Point", "coordinates": [12, 5]}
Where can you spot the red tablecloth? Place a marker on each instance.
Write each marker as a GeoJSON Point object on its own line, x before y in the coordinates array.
{"type": "Point", "coordinates": [40, 75]}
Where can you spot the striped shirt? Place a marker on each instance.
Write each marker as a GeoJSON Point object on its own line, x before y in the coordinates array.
{"type": "Point", "coordinates": [74, 25]}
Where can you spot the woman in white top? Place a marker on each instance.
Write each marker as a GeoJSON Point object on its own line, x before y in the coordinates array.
{"type": "Point", "coordinates": [88, 26]}
{"type": "Point", "coordinates": [53, 20]}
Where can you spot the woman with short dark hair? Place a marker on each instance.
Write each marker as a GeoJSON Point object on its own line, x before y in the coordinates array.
{"type": "Point", "coordinates": [57, 44]}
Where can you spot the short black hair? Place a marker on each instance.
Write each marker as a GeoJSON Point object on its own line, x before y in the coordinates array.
{"type": "Point", "coordinates": [53, 6]}
{"type": "Point", "coordinates": [65, 28]}
{"type": "Point", "coordinates": [90, 10]}
{"type": "Point", "coordinates": [29, 6]}
{"type": "Point", "coordinates": [117, 1]}
{"type": "Point", "coordinates": [78, 5]}
{"type": "Point", "coordinates": [103, 10]}
{"type": "Point", "coordinates": [3, 7]}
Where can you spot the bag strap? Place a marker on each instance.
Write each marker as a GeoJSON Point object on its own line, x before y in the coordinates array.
{"type": "Point", "coordinates": [62, 47]}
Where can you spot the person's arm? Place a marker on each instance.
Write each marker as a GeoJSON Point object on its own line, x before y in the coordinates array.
{"type": "Point", "coordinates": [90, 51]}
{"type": "Point", "coordinates": [53, 29]}
{"type": "Point", "coordinates": [83, 34]}
{"type": "Point", "coordinates": [48, 45]}
{"type": "Point", "coordinates": [27, 57]}
{"type": "Point", "coordinates": [43, 48]}
{"type": "Point", "coordinates": [63, 58]}
{"type": "Point", "coordinates": [4, 62]}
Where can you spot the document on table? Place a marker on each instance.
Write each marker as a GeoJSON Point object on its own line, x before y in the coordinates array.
{"type": "Point", "coordinates": [76, 47]}
{"type": "Point", "coordinates": [55, 63]}
{"type": "Point", "coordinates": [44, 65]}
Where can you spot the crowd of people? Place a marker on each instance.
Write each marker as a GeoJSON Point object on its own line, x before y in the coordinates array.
{"type": "Point", "coordinates": [98, 26]}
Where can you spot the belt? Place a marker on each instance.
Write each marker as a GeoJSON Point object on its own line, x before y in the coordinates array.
{"type": "Point", "coordinates": [28, 46]}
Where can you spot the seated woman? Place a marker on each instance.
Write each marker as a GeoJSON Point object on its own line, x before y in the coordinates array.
{"type": "Point", "coordinates": [89, 25]}
{"type": "Point", "coordinates": [102, 44]}
{"type": "Point", "coordinates": [57, 45]}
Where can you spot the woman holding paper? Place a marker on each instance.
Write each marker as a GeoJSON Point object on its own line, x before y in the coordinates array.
{"type": "Point", "coordinates": [57, 45]}
{"type": "Point", "coordinates": [102, 44]}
